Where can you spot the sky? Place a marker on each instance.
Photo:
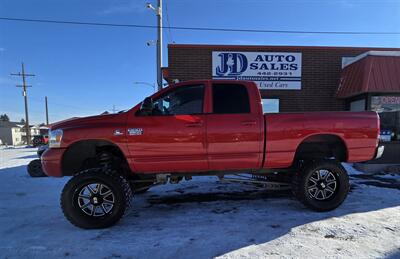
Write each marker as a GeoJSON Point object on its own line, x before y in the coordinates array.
{"type": "Point", "coordinates": [86, 70]}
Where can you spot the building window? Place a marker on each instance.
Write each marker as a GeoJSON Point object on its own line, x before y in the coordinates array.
{"type": "Point", "coordinates": [385, 103]}
{"type": "Point", "coordinates": [270, 105]}
{"type": "Point", "coordinates": [388, 108]}
{"type": "Point", "coordinates": [357, 106]}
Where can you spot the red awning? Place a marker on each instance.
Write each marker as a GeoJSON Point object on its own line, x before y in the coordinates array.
{"type": "Point", "coordinates": [371, 73]}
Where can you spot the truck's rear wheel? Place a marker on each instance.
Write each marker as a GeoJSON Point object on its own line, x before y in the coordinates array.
{"type": "Point", "coordinates": [321, 185]}
{"type": "Point", "coordinates": [95, 198]}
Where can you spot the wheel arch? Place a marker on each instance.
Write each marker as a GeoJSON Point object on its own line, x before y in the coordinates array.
{"type": "Point", "coordinates": [321, 146]}
{"type": "Point", "coordinates": [82, 154]}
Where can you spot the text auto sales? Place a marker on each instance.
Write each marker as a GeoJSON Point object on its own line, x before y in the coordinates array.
{"type": "Point", "coordinates": [274, 62]}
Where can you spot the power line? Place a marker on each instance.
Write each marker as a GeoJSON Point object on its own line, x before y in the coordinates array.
{"type": "Point", "coordinates": [200, 28]}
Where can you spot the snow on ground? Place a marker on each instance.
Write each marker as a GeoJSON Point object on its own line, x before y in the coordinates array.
{"type": "Point", "coordinates": [201, 218]}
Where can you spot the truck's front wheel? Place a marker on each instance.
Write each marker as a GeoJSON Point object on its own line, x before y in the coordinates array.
{"type": "Point", "coordinates": [321, 185]}
{"type": "Point", "coordinates": [95, 198]}
{"type": "Point", "coordinates": [35, 168]}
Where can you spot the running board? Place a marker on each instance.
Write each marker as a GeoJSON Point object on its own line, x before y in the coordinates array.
{"type": "Point", "coordinates": [270, 186]}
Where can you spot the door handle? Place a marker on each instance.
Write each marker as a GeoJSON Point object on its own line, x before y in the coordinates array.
{"type": "Point", "coordinates": [194, 124]}
{"type": "Point", "coordinates": [248, 123]}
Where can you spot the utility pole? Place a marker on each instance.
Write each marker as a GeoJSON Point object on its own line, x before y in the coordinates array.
{"type": "Point", "coordinates": [47, 111]}
{"type": "Point", "coordinates": [158, 11]}
{"type": "Point", "coordinates": [25, 94]}
{"type": "Point", "coordinates": [159, 45]}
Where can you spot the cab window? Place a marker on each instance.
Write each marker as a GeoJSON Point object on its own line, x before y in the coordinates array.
{"type": "Point", "coordinates": [185, 100]}
{"type": "Point", "coordinates": [230, 98]}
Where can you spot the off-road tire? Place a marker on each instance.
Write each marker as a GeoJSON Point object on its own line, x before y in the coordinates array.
{"type": "Point", "coordinates": [35, 169]}
{"type": "Point", "coordinates": [301, 180]}
{"type": "Point", "coordinates": [119, 186]}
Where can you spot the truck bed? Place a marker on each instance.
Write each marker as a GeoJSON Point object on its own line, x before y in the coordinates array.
{"type": "Point", "coordinates": [284, 132]}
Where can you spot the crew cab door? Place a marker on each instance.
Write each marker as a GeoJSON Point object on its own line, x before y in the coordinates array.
{"type": "Point", "coordinates": [171, 138]}
{"type": "Point", "coordinates": [234, 128]}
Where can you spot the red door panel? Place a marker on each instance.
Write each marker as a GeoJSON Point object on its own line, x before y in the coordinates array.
{"type": "Point", "coordinates": [167, 143]}
{"type": "Point", "coordinates": [234, 141]}
{"type": "Point", "coordinates": [234, 127]}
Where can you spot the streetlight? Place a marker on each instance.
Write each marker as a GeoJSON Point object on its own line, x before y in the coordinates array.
{"type": "Point", "coordinates": [150, 6]}
{"type": "Point", "coordinates": [145, 83]}
{"type": "Point", "coordinates": [158, 11]}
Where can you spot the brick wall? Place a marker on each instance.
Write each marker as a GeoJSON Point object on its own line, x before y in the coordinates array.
{"type": "Point", "coordinates": [321, 68]}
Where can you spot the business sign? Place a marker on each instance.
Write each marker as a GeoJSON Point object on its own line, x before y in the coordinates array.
{"type": "Point", "coordinates": [269, 70]}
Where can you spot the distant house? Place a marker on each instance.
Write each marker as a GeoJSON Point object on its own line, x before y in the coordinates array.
{"type": "Point", "coordinates": [35, 130]}
{"type": "Point", "coordinates": [13, 133]}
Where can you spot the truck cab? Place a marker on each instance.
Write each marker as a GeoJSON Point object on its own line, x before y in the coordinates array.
{"type": "Point", "coordinates": [198, 126]}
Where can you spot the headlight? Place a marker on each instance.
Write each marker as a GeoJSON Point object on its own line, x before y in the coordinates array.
{"type": "Point", "coordinates": [55, 137]}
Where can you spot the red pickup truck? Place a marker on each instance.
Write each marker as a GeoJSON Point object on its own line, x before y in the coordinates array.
{"type": "Point", "coordinates": [206, 127]}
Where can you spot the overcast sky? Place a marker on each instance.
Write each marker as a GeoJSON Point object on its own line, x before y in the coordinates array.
{"type": "Point", "coordinates": [86, 70]}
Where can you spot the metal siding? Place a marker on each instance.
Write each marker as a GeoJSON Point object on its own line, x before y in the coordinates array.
{"type": "Point", "coordinates": [372, 74]}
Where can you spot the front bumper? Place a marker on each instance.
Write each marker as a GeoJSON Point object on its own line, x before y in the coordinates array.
{"type": "Point", "coordinates": [379, 151]}
{"type": "Point", "coordinates": [51, 161]}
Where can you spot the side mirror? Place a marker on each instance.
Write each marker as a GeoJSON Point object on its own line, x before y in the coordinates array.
{"type": "Point", "coordinates": [147, 106]}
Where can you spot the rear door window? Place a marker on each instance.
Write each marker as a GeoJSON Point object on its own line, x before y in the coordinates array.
{"type": "Point", "coordinates": [230, 99]}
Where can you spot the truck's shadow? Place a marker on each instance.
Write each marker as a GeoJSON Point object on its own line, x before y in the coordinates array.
{"type": "Point", "coordinates": [249, 195]}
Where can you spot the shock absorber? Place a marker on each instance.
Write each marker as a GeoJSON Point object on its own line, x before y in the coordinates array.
{"type": "Point", "coordinates": [105, 160]}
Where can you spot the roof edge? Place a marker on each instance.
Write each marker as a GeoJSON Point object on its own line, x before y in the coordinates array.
{"type": "Point", "coordinates": [215, 46]}
{"type": "Point", "coordinates": [377, 53]}
{"type": "Point", "coordinates": [364, 92]}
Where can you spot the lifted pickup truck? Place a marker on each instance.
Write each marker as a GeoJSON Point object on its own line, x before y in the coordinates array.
{"type": "Point", "coordinates": [207, 127]}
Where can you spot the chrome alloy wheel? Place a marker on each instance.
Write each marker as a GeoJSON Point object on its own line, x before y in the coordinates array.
{"type": "Point", "coordinates": [96, 199]}
{"type": "Point", "coordinates": [322, 185]}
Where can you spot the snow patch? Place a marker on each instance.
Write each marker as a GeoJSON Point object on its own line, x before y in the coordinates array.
{"type": "Point", "coordinates": [201, 218]}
